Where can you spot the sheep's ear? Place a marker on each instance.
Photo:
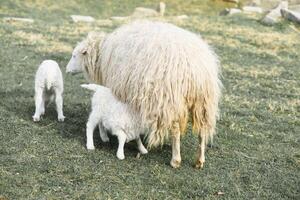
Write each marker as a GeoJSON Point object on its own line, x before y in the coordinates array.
{"type": "Point", "coordinates": [84, 51]}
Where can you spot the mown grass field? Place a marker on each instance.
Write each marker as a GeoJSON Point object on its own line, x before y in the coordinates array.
{"type": "Point", "coordinates": [255, 155]}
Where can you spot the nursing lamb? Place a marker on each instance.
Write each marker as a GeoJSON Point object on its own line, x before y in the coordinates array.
{"type": "Point", "coordinates": [110, 114]}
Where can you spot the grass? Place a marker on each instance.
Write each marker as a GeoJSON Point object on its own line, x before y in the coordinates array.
{"type": "Point", "coordinates": [256, 154]}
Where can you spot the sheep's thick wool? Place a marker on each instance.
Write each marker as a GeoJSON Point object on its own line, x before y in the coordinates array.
{"type": "Point", "coordinates": [162, 71]}
{"type": "Point", "coordinates": [165, 73]}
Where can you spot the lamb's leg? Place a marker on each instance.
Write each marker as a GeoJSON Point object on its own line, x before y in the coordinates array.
{"type": "Point", "coordinates": [59, 105]}
{"type": "Point", "coordinates": [43, 104]}
{"type": "Point", "coordinates": [103, 134]}
{"type": "Point", "coordinates": [38, 103]}
{"type": "Point", "coordinates": [200, 159]}
{"type": "Point", "coordinates": [90, 127]}
{"type": "Point", "coordinates": [141, 147]}
{"type": "Point", "coordinates": [122, 139]}
{"type": "Point", "coordinates": [176, 157]}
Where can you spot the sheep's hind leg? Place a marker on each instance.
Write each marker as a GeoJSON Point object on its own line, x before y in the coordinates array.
{"type": "Point", "coordinates": [141, 147]}
{"type": "Point", "coordinates": [176, 157]}
{"type": "Point", "coordinates": [59, 105]}
{"type": "Point", "coordinates": [103, 134]}
{"type": "Point", "coordinates": [38, 103]}
{"type": "Point", "coordinates": [122, 139]}
{"type": "Point", "coordinates": [200, 159]}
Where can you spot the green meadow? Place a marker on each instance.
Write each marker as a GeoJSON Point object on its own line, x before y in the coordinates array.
{"type": "Point", "coordinates": [255, 154]}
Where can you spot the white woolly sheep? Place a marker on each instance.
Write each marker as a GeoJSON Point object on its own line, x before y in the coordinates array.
{"type": "Point", "coordinates": [163, 72]}
{"type": "Point", "coordinates": [48, 86]}
{"type": "Point", "coordinates": [111, 114]}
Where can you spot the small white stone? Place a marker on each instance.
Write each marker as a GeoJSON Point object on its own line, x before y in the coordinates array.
{"type": "Point", "coordinates": [252, 9]}
{"type": "Point", "coordinates": [141, 12]}
{"type": "Point", "coordinates": [232, 1]}
{"type": "Point", "coordinates": [162, 8]}
{"type": "Point", "coordinates": [118, 18]}
{"type": "Point", "coordinates": [230, 11]}
{"type": "Point", "coordinates": [234, 11]}
{"type": "Point", "coordinates": [182, 17]}
{"type": "Point", "coordinates": [80, 18]}
{"type": "Point", "coordinates": [28, 20]}
{"type": "Point", "coordinates": [104, 22]}
{"type": "Point", "coordinates": [273, 16]}
{"type": "Point", "coordinates": [290, 15]}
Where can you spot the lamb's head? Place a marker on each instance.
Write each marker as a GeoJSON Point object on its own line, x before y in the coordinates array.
{"type": "Point", "coordinates": [76, 63]}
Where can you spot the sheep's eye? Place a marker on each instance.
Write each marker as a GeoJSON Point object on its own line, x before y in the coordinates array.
{"type": "Point", "coordinates": [73, 56]}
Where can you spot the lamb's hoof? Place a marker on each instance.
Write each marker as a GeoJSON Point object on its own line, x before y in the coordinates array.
{"type": "Point", "coordinates": [36, 119]}
{"type": "Point", "coordinates": [143, 151]}
{"type": "Point", "coordinates": [90, 147]}
{"type": "Point", "coordinates": [61, 119]}
{"type": "Point", "coordinates": [120, 156]}
{"type": "Point", "coordinates": [199, 164]}
{"type": "Point", "coordinates": [105, 139]}
{"type": "Point", "coordinates": [138, 156]}
{"type": "Point", "coordinates": [175, 163]}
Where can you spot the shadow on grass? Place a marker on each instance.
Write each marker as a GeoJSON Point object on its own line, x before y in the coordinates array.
{"type": "Point", "coordinates": [20, 103]}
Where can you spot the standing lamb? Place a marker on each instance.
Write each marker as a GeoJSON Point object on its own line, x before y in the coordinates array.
{"type": "Point", "coordinates": [163, 72]}
{"type": "Point", "coordinates": [111, 114]}
{"type": "Point", "coordinates": [48, 86]}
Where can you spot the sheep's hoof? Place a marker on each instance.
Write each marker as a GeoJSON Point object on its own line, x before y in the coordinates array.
{"type": "Point", "coordinates": [175, 163]}
{"type": "Point", "coordinates": [61, 119]}
{"type": "Point", "coordinates": [199, 164]}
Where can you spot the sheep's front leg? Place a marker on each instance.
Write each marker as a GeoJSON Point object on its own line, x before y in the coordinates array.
{"type": "Point", "coordinates": [176, 157]}
{"type": "Point", "coordinates": [38, 104]}
{"type": "Point", "coordinates": [103, 134]}
{"type": "Point", "coordinates": [122, 139]}
{"type": "Point", "coordinates": [59, 105]}
{"type": "Point", "coordinates": [200, 159]}
{"type": "Point", "coordinates": [141, 147]}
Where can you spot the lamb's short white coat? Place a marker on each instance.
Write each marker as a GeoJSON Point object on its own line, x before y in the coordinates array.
{"type": "Point", "coordinates": [48, 86]}
{"type": "Point", "coordinates": [111, 114]}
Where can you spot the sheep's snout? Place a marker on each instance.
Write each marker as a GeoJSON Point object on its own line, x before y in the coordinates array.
{"type": "Point", "coordinates": [68, 68]}
{"type": "Point", "coordinates": [74, 66]}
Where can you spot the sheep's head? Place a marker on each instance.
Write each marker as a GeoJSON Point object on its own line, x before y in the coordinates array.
{"type": "Point", "coordinates": [88, 48]}
{"type": "Point", "coordinates": [76, 63]}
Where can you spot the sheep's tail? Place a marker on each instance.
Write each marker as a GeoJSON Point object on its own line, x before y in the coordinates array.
{"type": "Point", "coordinates": [93, 87]}
{"type": "Point", "coordinates": [205, 112]}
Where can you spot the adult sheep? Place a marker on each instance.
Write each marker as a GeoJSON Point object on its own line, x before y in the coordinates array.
{"type": "Point", "coordinates": [162, 71]}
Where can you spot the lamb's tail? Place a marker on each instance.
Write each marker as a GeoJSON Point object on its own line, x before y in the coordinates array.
{"type": "Point", "coordinates": [93, 87]}
{"type": "Point", "coordinates": [50, 81]}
